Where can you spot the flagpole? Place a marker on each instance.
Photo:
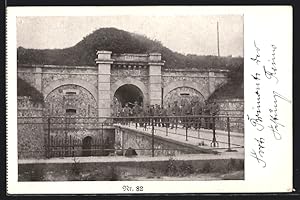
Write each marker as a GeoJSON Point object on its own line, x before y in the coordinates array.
{"type": "Point", "coordinates": [218, 39]}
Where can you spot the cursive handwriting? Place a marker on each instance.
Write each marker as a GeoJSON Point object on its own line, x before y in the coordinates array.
{"type": "Point", "coordinates": [260, 155]}
{"type": "Point", "coordinates": [272, 71]}
{"type": "Point", "coordinates": [275, 124]}
{"type": "Point", "coordinates": [257, 120]}
{"type": "Point", "coordinates": [257, 56]}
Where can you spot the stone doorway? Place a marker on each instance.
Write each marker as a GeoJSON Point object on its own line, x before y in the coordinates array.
{"type": "Point", "coordinates": [87, 146]}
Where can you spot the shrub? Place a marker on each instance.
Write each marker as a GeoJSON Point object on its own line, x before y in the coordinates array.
{"type": "Point", "coordinates": [206, 167]}
{"type": "Point", "coordinates": [172, 169]}
{"type": "Point", "coordinates": [186, 169]}
{"type": "Point", "coordinates": [75, 167]}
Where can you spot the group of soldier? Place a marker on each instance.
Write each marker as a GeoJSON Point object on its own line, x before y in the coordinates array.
{"type": "Point", "coordinates": [195, 114]}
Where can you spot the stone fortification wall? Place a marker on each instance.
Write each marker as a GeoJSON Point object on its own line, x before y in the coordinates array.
{"type": "Point", "coordinates": [83, 73]}
{"type": "Point", "coordinates": [43, 76]}
{"type": "Point", "coordinates": [235, 109]}
{"type": "Point", "coordinates": [31, 131]}
{"type": "Point", "coordinates": [193, 84]}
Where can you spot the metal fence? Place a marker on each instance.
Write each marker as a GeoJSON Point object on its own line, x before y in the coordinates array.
{"type": "Point", "coordinates": [60, 133]}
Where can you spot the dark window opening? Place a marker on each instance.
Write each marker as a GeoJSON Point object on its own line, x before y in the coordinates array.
{"type": "Point", "coordinates": [71, 111]}
{"type": "Point", "coordinates": [70, 93]}
{"type": "Point", "coordinates": [184, 94]}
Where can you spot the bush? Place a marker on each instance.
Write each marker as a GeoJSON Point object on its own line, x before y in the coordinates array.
{"type": "Point", "coordinates": [172, 169]}
{"type": "Point", "coordinates": [186, 169]}
{"type": "Point", "coordinates": [75, 167]}
{"type": "Point", "coordinates": [207, 168]}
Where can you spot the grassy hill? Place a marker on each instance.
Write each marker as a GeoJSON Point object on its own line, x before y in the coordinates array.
{"type": "Point", "coordinates": [119, 41]}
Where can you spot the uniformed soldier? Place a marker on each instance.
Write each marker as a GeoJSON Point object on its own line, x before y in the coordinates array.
{"type": "Point", "coordinates": [146, 116]}
{"type": "Point", "coordinates": [169, 113]}
{"type": "Point", "coordinates": [127, 111]}
{"type": "Point", "coordinates": [206, 111]}
{"type": "Point", "coordinates": [176, 112]}
{"type": "Point", "coordinates": [140, 116]}
{"type": "Point", "coordinates": [215, 109]}
{"type": "Point", "coordinates": [136, 112]}
{"type": "Point", "coordinates": [122, 114]}
{"type": "Point", "coordinates": [156, 114]}
{"type": "Point", "coordinates": [186, 111]}
{"type": "Point", "coordinates": [198, 111]}
{"type": "Point", "coordinates": [163, 113]}
{"type": "Point", "coordinates": [151, 114]}
{"type": "Point", "coordinates": [201, 112]}
{"type": "Point", "coordinates": [194, 122]}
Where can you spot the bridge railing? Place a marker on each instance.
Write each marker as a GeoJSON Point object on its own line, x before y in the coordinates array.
{"type": "Point", "coordinates": [200, 127]}
{"type": "Point", "coordinates": [61, 134]}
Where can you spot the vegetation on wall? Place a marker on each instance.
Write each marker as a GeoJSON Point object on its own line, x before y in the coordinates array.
{"type": "Point", "coordinates": [234, 88]}
{"type": "Point", "coordinates": [25, 89]}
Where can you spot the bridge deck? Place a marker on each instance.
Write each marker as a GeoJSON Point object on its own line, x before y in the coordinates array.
{"type": "Point", "coordinates": [195, 137]}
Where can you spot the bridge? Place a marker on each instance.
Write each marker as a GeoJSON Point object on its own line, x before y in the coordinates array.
{"type": "Point", "coordinates": [146, 136]}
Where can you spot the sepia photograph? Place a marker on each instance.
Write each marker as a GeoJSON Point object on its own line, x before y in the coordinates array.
{"type": "Point", "coordinates": [130, 98]}
{"type": "Point", "coordinates": [149, 100]}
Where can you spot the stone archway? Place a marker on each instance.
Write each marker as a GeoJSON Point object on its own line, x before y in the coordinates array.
{"type": "Point", "coordinates": [188, 84]}
{"type": "Point", "coordinates": [130, 94]}
{"type": "Point", "coordinates": [71, 100]}
{"type": "Point", "coordinates": [132, 82]}
{"type": "Point", "coordinates": [87, 146]}
{"type": "Point", "coordinates": [52, 86]}
{"type": "Point", "coordinates": [183, 94]}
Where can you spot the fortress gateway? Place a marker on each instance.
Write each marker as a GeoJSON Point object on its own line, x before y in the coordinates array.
{"type": "Point", "coordinates": [90, 90]}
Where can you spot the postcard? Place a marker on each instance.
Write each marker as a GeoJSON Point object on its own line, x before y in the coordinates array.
{"type": "Point", "coordinates": [149, 99]}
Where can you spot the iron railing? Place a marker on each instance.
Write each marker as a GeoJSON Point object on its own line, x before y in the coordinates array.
{"type": "Point", "coordinates": [60, 133]}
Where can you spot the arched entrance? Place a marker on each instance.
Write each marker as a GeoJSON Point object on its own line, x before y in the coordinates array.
{"type": "Point", "coordinates": [87, 146]}
{"type": "Point", "coordinates": [71, 100]}
{"type": "Point", "coordinates": [129, 93]}
{"type": "Point", "coordinates": [182, 95]}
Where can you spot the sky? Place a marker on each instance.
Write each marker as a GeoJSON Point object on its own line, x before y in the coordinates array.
{"type": "Point", "coordinates": [183, 34]}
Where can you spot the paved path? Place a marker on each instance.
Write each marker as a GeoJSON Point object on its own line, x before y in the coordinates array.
{"type": "Point", "coordinates": [195, 137]}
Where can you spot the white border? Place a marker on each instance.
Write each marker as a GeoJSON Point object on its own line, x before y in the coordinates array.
{"type": "Point", "coordinates": [263, 23]}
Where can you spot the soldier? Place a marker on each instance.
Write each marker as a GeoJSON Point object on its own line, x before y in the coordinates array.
{"type": "Point", "coordinates": [136, 112]}
{"type": "Point", "coordinates": [198, 110]}
{"type": "Point", "coordinates": [127, 111]}
{"type": "Point", "coordinates": [140, 115]}
{"type": "Point", "coordinates": [169, 113]}
{"type": "Point", "coordinates": [186, 111]}
{"type": "Point", "coordinates": [194, 123]}
{"type": "Point", "coordinates": [206, 111]}
{"type": "Point", "coordinates": [146, 115]}
{"type": "Point", "coordinates": [151, 114]}
{"type": "Point", "coordinates": [156, 115]}
{"type": "Point", "coordinates": [163, 113]}
{"type": "Point", "coordinates": [176, 112]}
{"type": "Point", "coordinates": [214, 112]}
